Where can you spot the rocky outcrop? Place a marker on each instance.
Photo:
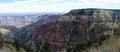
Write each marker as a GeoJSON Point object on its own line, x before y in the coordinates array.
{"type": "Point", "coordinates": [80, 26]}
{"type": "Point", "coordinates": [77, 30]}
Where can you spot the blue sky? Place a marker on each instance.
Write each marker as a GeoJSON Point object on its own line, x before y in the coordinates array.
{"type": "Point", "coordinates": [55, 5]}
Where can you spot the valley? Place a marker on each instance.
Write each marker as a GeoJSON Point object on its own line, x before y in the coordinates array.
{"type": "Point", "coordinates": [80, 30]}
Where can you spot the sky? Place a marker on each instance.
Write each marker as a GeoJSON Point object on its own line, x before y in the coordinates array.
{"type": "Point", "coordinates": [55, 5]}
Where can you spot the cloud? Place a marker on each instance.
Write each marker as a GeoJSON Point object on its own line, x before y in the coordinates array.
{"type": "Point", "coordinates": [84, 1]}
{"type": "Point", "coordinates": [24, 6]}
{"type": "Point", "coordinates": [54, 5]}
{"type": "Point", "coordinates": [107, 1]}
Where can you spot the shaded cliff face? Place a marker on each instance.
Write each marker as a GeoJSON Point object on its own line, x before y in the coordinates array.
{"type": "Point", "coordinates": [78, 27]}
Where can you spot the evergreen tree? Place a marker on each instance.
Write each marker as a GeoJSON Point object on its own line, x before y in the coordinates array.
{"type": "Point", "coordinates": [46, 47]}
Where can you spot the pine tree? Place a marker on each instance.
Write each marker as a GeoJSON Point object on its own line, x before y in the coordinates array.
{"type": "Point", "coordinates": [46, 47]}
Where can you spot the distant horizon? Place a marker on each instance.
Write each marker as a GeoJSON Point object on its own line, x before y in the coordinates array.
{"type": "Point", "coordinates": [29, 13]}
{"type": "Point", "coordinates": [58, 11]}
{"type": "Point", "coordinates": [40, 13]}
